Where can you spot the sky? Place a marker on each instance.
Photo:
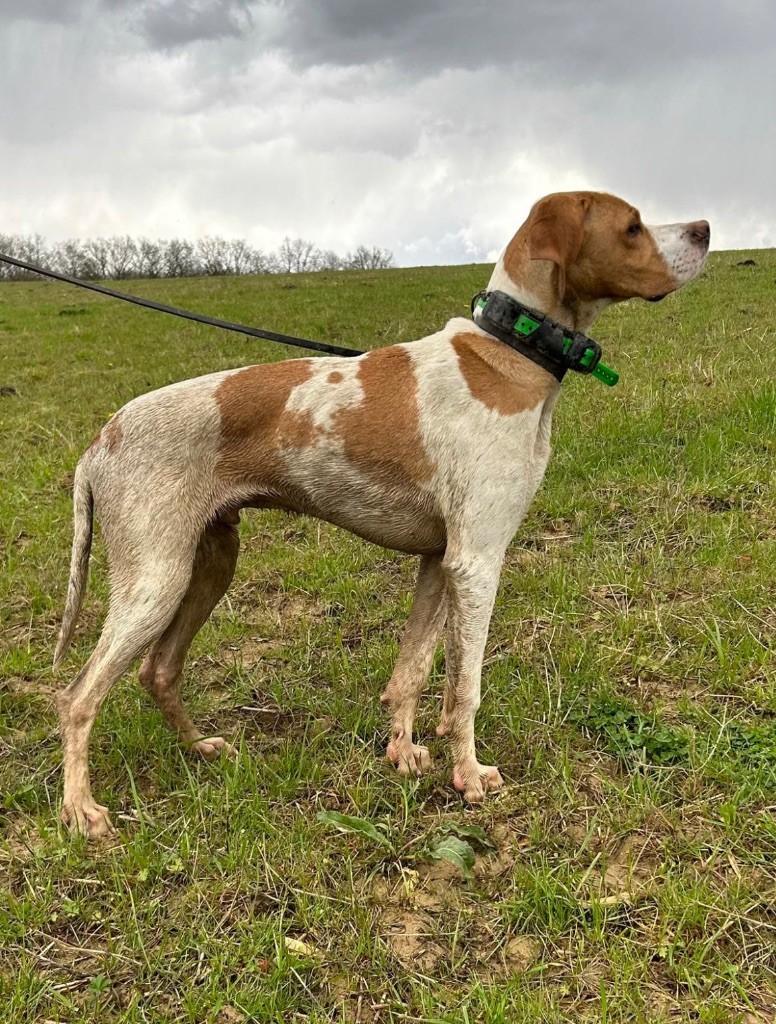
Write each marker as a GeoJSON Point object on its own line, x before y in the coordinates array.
{"type": "Point", "coordinates": [428, 127]}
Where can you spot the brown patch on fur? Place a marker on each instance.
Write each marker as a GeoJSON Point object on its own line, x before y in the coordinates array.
{"type": "Point", "coordinates": [298, 428]}
{"type": "Point", "coordinates": [515, 258]}
{"type": "Point", "coordinates": [254, 421]}
{"type": "Point", "coordinates": [500, 378]}
{"type": "Point", "coordinates": [382, 433]}
{"type": "Point", "coordinates": [556, 230]}
{"type": "Point", "coordinates": [380, 436]}
{"type": "Point", "coordinates": [110, 435]}
{"type": "Point", "coordinates": [113, 432]}
{"type": "Point", "coordinates": [335, 377]}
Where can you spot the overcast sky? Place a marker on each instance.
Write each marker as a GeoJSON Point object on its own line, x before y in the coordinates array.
{"type": "Point", "coordinates": [426, 126]}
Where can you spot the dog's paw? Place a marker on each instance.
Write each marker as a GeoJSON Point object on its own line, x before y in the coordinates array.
{"type": "Point", "coordinates": [476, 781]}
{"type": "Point", "coordinates": [409, 758]}
{"type": "Point", "coordinates": [212, 747]}
{"type": "Point", "coordinates": [88, 819]}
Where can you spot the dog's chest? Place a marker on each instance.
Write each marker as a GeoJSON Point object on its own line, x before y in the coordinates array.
{"type": "Point", "coordinates": [489, 464]}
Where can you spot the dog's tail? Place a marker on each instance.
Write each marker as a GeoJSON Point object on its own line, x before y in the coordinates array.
{"type": "Point", "coordinates": [83, 515]}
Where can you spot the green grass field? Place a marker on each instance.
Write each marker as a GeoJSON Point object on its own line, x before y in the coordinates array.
{"type": "Point", "coordinates": [628, 870]}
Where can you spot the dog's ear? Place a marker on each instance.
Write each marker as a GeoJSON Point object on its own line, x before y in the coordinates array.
{"type": "Point", "coordinates": [556, 229]}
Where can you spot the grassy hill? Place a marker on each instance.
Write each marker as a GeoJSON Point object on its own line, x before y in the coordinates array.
{"type": "Point", "coordinates": [627, 873]}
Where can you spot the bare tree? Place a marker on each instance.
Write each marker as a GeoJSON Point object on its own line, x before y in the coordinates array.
{"type": "Point", "coordinates": [9, 246]}
{"type": "Point", "coordinates": [239, 256]}
{"type": "Point", "coordinates": [261, 263]}
{"type": "Point", "coordinates": [213, 255]}
{"type": "Point", "coordinates": [150, 257]}
{"type": "Point", "coordinates": [98, 253]}
{"type": "Point", "coordinates": [122, 256]}
{"type": "Point", "coordinates": [33, 249]}
{"type": "Point", "coordinates": [285, 256]}
{"type": "Point", "coordinates": [70, 257]}
{"type": "Point", "coordinates": [30, 248]}
{"type": "Point", "coordinates": [179, 259]}
{"type": "Point", "coordinates": [271, 264]}
{"type": "Point", "coordinates": [307, 255]}
{"type": "Point", "coordinates": [296, 256]}
{"type": "Point", "coordinates": [370, 259]}
{"type": "Point", "coordinates": [330, 260]}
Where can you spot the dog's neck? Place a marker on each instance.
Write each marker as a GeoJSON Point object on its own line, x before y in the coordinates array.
{"type": "Point", "coordinates": [535, 284]}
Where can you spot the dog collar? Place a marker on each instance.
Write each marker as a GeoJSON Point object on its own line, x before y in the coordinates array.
{"type": "Point", "coordinates": [534, 335]}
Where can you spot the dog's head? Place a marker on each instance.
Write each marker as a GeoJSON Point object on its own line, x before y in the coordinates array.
{"type": "Point", "coordinates": [595, 250]}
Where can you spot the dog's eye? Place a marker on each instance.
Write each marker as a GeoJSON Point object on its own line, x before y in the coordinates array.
{"type": "Point", "coordinates": [634, 229]}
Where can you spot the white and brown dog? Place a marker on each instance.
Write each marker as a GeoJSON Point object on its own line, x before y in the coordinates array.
{"type": "Point", "coordinates": [434, 448]}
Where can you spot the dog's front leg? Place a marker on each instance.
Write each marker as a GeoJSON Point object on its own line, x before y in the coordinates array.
{"type": "Point", "coordinates": [421, 636]}
{"type": "Point", "coordinates": [472, 581]}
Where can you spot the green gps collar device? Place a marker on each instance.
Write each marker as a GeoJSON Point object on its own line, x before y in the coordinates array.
{"type": "Point", "coordinates": [554, 347]}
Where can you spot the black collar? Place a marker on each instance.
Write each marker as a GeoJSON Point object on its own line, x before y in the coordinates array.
{"type": "Point", "coordinates": [553, 347]}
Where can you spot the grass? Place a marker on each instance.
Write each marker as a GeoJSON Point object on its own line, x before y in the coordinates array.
{"type": "Point", "coordinates": [627, 872]}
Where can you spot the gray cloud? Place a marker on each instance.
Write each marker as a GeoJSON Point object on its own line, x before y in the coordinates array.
{"type": "Point", "coordinates": [40, 10]}
{"type": "Point", "coordinates": [429, 128]}
{"type": "Point", "coordinates": [599, 39]}
{"type": "Point", "coordinates": [176, 23]}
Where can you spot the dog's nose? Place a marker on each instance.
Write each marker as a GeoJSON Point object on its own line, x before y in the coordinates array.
{"type": "Point", "coordinates": [699, 231]}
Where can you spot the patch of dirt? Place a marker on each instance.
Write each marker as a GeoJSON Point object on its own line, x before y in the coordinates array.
{"type": "Point", "coordinates": [432, 916]}
{"type": "Point", "coordinates": [436, 872]}
{"type": "Point", "coordinates": [229, 1015]}
{"type": "Point", "coordinates": [611, 597]}
{"type": "Point", "coordinates": [268, 601]}
{"type": "Point", "coordinates": [27, 686]}
{"type": "Point", "coordinates": [412, 938]}
{"type": "Point", "coordinates": [741, 499]}
{"type": "Point", "coordinates": [658, 692]}
{"type": "Point", "coordinates": [353, 1003]}
{"type": "Point", "coordinates": [412, 918]}
{"type": "Point", "coordinates": [628, 871]}
{"type": "Point", "coordinates": [594, 774]}
{"type": "Point", "coordinates": [253, 651]}
{"type": "Point", "coordinates": [494, 865]}
{"type": "Point", "coordinates": [519, 953]}
{"type": "Point", "coordinates": [293, 607]}
{"type": "Point", "coordinates": [620, 522]}
{"type": "Point", "coordinates": [765, 1013]}
{"type": "Point", "coordinates": [546, 540]}
{"type": "Point", "coordinates": [267, 720]}
{"type": "Point", "coordinates": [20, 844]}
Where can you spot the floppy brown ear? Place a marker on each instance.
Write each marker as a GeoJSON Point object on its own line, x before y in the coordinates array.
{"type": "Point", "coordinates": [556, 229]}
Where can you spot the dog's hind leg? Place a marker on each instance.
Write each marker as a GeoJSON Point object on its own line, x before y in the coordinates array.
{"type": "Point", "coordinates": [160, 673]}
{"type": "Point", "coordinates": [419, 643]}
{"type": "Point", "coordinates": [140, 611]}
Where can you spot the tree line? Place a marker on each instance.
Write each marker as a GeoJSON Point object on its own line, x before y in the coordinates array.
{"type": "Point", "coordinates": [121, 256]}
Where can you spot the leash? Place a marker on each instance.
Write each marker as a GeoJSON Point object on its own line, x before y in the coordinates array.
{"type": "Point", "coordinates": [530, 333]}
{"type": "Point", "coordinates": [227, 325]}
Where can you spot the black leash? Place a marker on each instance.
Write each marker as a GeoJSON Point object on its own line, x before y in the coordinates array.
{"type": "Point", "coordinates": [532, 334]}
{"type": "Point", "coordinates": [227, 325]}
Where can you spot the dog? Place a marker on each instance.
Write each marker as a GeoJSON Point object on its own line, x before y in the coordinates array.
{"type": "Point", "coordinates": [434, 448]}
